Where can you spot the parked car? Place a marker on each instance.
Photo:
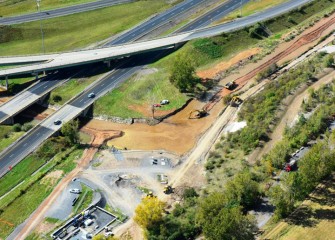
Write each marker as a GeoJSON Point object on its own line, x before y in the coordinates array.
{"type": "Point", "coordinates": [157, 105]}
{"type": "Point", "coordinates": [75, 190]}
{"type": "Point", "coordinates": [154, 162]}
{"type": "Point", "coordinates": [91, 95]}
{"type": "Point", "coordinates": [57, 122]}
{"type": "Point", "coordinates": [165, 101]}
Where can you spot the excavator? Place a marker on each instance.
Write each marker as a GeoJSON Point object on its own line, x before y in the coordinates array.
{"type": "Point", "coordinates": [168, 189]}
{"type": "Point", "coordinates": [235, 101]}
{"type": "Point", "coordinates": [195, 114]}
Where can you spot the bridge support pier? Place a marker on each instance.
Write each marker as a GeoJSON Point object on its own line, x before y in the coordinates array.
{"type": "Point", "coordinates": [88, 112]}
{"type": "Point", "coordinates": [43, 98]}
{"type": "Point", "coordinates": [6, 79]}
{"type": "Point", "coordinates": [108, 63]}
{"type": "Point", "coordinates": [9, 121]}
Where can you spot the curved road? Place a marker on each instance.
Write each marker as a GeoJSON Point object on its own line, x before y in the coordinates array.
{"type": "Point", "coordinates": [46, 14]}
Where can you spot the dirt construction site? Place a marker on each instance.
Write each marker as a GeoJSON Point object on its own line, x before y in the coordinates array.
{"type": "Point", "coordinates": [171, 152]}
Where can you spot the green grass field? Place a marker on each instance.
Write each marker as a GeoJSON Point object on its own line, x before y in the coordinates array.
{"type": "Point", "coordinates": [72, 88]}
{"type": "Point", "coordinates": [19, 7]}
{"type": "Point", "coordinates": [140, 90]}
{"type": "Point", "coordinates": [77, 30]}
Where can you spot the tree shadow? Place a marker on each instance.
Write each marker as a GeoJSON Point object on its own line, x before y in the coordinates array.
{"type": "Point", "coordinates": [324, 197]}
{"type": "Point", "coordinates": [302, 217]}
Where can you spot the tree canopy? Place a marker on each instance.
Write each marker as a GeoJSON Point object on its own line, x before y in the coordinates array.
{"type": "Point", "coordinates": [182, 73]}
{"type": "Point", "coordinates": [223, 220]}
{"type": "Point", "coordinates": [70, 131]}
{"type": "Point", "coordinates": [149, 212]}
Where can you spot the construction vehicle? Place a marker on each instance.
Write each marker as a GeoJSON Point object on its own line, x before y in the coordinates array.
{"type": "Point", "coordinates": [231, 85]}
{"type": "Point", "coordinates": [197, 114]}
{"type": "Point", "coordinates": [235, 101]}
{"type": "Point", "coordinates": [150, 194]}
{"type": "Point", "coordinates": [168, 189]}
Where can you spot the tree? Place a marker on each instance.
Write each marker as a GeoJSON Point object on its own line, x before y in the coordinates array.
{"type": "Point", "coordinates": [243, 190]}
{"type": "Point", "coordinates": [101, 237]}
{"type": "Point", "coordinates": [221, 220]}
{"type": "Point", "coordinates": [149, 212]}
{"type": "Point", "coordinates": [56, 98]}
{"type": "Point", "coordinates": [279, 154]}
{"type": "Point", "coordinates": [283, 200]}
{"type": "Point", "coordinates": [328, 61]}
{"type": "Point", "coordinates": [17, 127]}
{"type": "Point", "coordinates": [314, 166]}
{"type": "Point", "coordinates": [70, 131]}
{"type": "Point", "coordinates": [182, 73]}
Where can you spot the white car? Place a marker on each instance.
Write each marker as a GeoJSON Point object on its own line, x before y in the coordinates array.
{"type": "Point", "coordinates": [75, 190]}
{"type": "Point", "coordinates": [165, 101]}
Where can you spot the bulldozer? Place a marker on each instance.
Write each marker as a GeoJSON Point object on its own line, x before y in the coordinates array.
{"type": "Point", "coordinates": [197, 114]}
{"type": "Point", "coordinates": [168, 189]}
{"type": "Point", "coordinates": [235, 101]}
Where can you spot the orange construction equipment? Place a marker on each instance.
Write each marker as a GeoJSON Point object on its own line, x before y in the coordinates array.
{"type": "Point", "coordinates": [195, 114]}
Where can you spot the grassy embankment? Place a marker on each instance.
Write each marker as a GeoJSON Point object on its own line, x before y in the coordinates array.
{"type": "Point", "coordinates": [77, 30]}
{"type": "Point", "coordinates": [23, 200]}
{"type": "Point", "coordinates": [7, 136]}
{"type": "Point", "coordinates": [14, 7]}
{"type": "Point", "coordinates": [206, 53]}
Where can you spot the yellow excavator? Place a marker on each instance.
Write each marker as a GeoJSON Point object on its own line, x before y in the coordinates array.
{"type": "Point", "coordinates": [195, 114]}
{"type": "Point", "coordinates": [168, 189]}
{"type": "Point", "coordinates": [235, 101]}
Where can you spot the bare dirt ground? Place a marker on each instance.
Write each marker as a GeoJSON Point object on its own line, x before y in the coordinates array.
{"type": "Point", "coordinates": [177, 134]}
{"type": "Point", "coordinates": [222, 66]}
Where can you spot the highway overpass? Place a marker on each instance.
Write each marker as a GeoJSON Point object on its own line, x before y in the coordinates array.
{"type": "Point", "coordinates": [62, 60]}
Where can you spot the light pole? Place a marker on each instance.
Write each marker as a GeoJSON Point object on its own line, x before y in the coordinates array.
{"type": "Point", "coordinates": [41, 26]}
{"type": "Point", "coordinates": [241, 8]}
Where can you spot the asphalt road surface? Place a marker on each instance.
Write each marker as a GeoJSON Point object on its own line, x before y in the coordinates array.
{"type": "Point", "coordinates": [213, 15]}
{"type": "Point", "coordinates": [46, 14]}
{"type": "Point", "coordinates": [155, 22]}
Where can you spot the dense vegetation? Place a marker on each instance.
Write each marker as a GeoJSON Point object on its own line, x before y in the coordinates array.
{"type": "Point", "coordinates": [260, 110]}
{"type": "Point", "coordinates": [219, 215]}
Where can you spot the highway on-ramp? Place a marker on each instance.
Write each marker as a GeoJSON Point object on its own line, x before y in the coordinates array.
{"type": "Point", "coordinates": [46, 14]}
